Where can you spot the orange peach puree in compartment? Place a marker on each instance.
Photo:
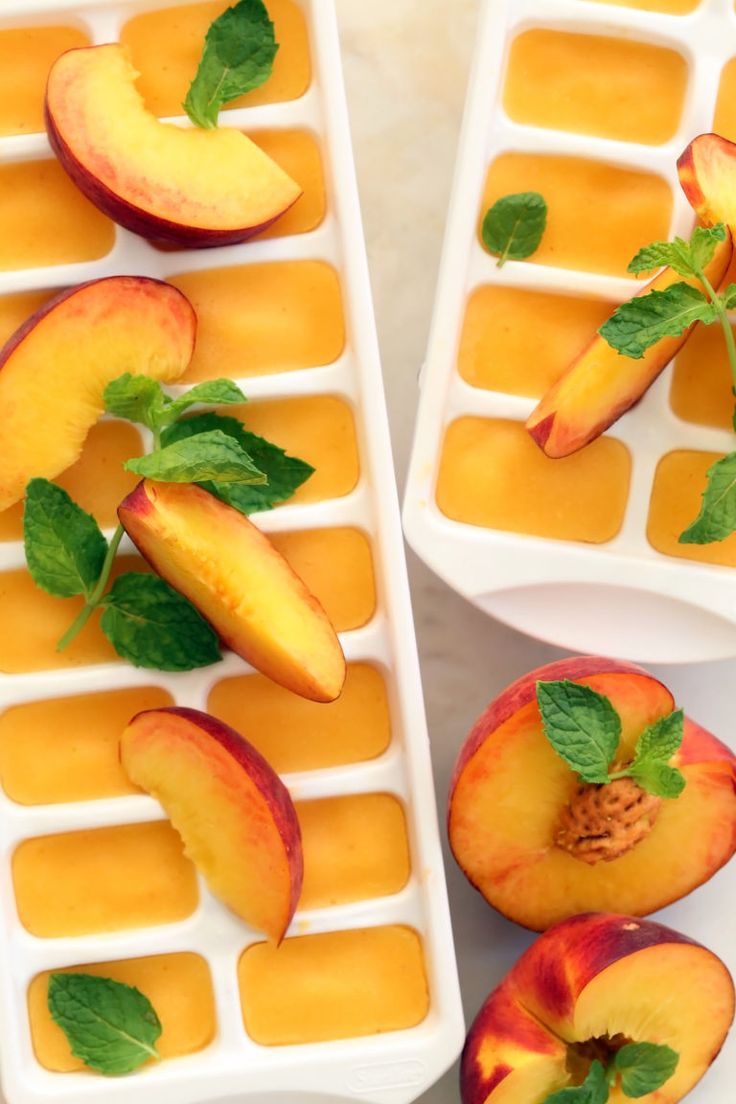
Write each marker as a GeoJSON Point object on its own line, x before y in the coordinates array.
{"type": "Point", "coordinates": [26, 55]}
{"type": "Point", "coordinates": [492, 474]}
{"type": "Point", "coordinates": [103, 879]}
{"type": "Point", "coordinates": [164, 86]}
{"type": "Point", "coordinates": [702, 387]}
{"type": "Point", "coordinates": [679, 483]}
{"type": "Point", "coordinates": [583, 195]}
{"type": "Point", "coordinates": [179, 987]}
{"type": "Point", "coordinates": [335, 985]}
{"type": "Point", "coordinates": [595, 84]}
{"type": "Point", "coordinates": [724, 122]}
{"type": "Point", "coordinates": [336, 564]}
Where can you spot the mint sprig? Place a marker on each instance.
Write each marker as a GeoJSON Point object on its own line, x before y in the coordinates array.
{"type": "Point", "coordinates": [646, 319]}
{"type": "Point", "coordinates": [585, 730]}
{"type": "Point", "coordinates": [238, 56]}
{"type": "Point", "coordinates": [514, 226]}
{"type": "Point", "coordinates": [65, 549]}
{"type": "Point", "coordinates": [111, 1027]}
{"type": "Point", "coordinates": [594, 1090]}
{"type": "Point", "coordinates": [143, 400]}
{"type": "Point", "coordinates": [639, 1068]}
{"type": "Point", "coordinates": [205, 456]}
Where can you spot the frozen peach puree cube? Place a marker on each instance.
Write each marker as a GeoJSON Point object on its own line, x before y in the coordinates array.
{"type": "Point", "coordinates": [68, 749]}
{"type": "Point", "coordinates": [45, 219]}
{"type": "Point", "coordinates": [104, 879]}
{"type": "Point", "coordinates": [337, 566]}
{"type": "Point", "coordinates": [335, 985]}
{"type": "Point", "coordinates": [299, 735]}
{"type": "Point", "coordinates": [679, 483]}
{"type": "Point", "coordinates": [97, 481]}
{"type": "Point", "coordinates": [355, 847]}
{"type": "Point", "coordinates": [492, 474]}
{"type": "Point", "coordinates": [178, 986]}
{"type": "Point", "coordinates": [725, 117]}
{"type": "Point", "coordinates": [565, 81]}
{"type": "Point", "coordinates": [33, 621]}
{"type": "Point", "coordinates": [520, 342]}
{"type": "Point", "coordinates": [701, 381]}
{"type": "Point", "coordinates": [263, 318]}
{"type": "Point", "coordinates": [26, 55]}
{"type": "Point", "coordinates": [183, 29]}
{"type": "Point", "coordinates": [598, 214]}
{"type": "Point", "coordinates": [297, 152]}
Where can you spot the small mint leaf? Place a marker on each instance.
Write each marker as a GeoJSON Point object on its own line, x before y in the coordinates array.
{"type": "Point", "coordinates": [703, 243]}
{"type": "Point", "coordinates": [660, 741]}
{"type": "Point", "coordinates": [644, 320]}
{"type": "Point", "coordinates": [111, 1027]}
{"type": "Point", "coordinates": [594, 1089]}
{"type": "Point", "coordinates": [64, 547]}
{"type": "Point", "coordinates": [220, 392]}
{"type": "Point", "coordinates": [729, 297]}
{"type": "Point", "coordinates": [644, 1067]}
{"type": "Point", "coordinates": [582, 726]}
{"type": "Point", "coordinates": [151, 625]}
{"type": "Point", "coordinates": [717, 517]}
{"type": "Point", "coordinates": [207, 456]}
{"type": "Point", "coordinates": [135, 398]}
{"type": "Point", "coordinates": [514, 226]}
{"type": "Point", "coordinates": [658, 778]}
{"type": "Point", "coordinates": [675, 254]}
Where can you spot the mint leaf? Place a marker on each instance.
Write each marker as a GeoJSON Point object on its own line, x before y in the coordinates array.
{"type": "Point", "coordinates": [717, 517]}
{"type": "Point", "coordinates": [658, 778]}
{"type": "Point", "coordinates": [195, 459]}
{"type": "Point", "coordinates": [686, 258]}
{"type": "Point", "coordinates": [660, 741]}
{"type": "Point", "coordinates": [135, 398]}
{"type": "Point", "coordinates": [239, 51]}
{"type": "Point", "coordinates": [111, 1027]}
{"type": "Point", "coordinates": [285, 473]}
{"type": "Point", "coordinates": [728, 295]}
{"type": "Point", "coordinates": [214, 392]}
{"type": "Point", "coordinates": [644, 1067]}
{"type": "Point", "coordinates": [703, 243]}
{"type": "Point", "coordinates": [64, 547]}
{"type": "Point", "coordinates": [582, 726]}
{"type": "Point", "coordinates": [151, 625]}
{"type": "Point", "coordinates": [514, 226]}
{"type": "Point", "coordinates": [646, 319]}
{"type": "Point", "coordinates": [594, 1089]}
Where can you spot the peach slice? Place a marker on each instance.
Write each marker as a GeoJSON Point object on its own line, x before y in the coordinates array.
{"type": "Point", "coordinates": [54, 369]}
{"type": "Point", "coordinates": [235, 577]}
{"type": "Point", "coordinates": [601, 385]}
{"type": "Point", "coordinates": [231, 809]}
{"type": "Point", "coordinates": [512, 797]}
{"type": "Point", "coordinates": [584, 988]}
{"type": "Point", "coordinates": [707, 171]}
{"type": "Point", "coordinates": [184, 186]}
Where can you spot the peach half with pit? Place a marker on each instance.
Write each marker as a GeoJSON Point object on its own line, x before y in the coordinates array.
{"type": "Point", "coordinates": [55, 368]}
{"type": "Point", "coordinates": [183, 186]}
{"type": "Point", "coordinates": [584, 990]}
{"type": "Point", "coordinates": [232, 810]}
{"type": "Point", "coordinates": [540, 846]}
{"type": "Point", "coordinates": [239, 582]}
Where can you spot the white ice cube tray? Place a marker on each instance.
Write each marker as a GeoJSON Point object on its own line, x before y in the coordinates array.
{"type": "Point", "coordinates": [622, 597]}
{"type": "Point", "coordinates": [389, 1068]}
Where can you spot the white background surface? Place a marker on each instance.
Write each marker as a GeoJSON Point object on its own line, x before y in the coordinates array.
{"type": "Point", "coordinates": [406, 65]}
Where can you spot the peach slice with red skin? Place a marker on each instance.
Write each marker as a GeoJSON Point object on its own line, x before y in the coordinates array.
{"type": "Point", "coordinates": [601, 385]}
{"type": "Point", "coordinates": [707, 171]}
{"type": "Point", "coordinates": [244, 587]}
{"type": "Point", "coordinates": [510, 791]}
{"type": "Point", "coordinates": [233, 812]}
{"type": "Point", "coordinates": [592, 979]}
{"type": "Point", "coordinates": [183, 186]}
{"type": "Point", "coordinates": [54, 369]}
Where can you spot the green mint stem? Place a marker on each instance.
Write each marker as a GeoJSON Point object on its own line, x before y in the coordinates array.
{"type": "Point", "coordinates": [725, 323]}
{"type": "Point", "coordinates": [94, 599]}
{"type": "Point", "coordinates": [156, 431]}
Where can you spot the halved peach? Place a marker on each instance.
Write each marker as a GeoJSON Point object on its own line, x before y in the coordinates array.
{"type": "Point", "coordinates": [235, 577]}
{"type": "Point", "coordinates": [186, 186]}
{"type": "Point", "coordinates": [585, 988]}
{"type": "Point", "coordinates": [233, 812]}
{"type": "Point", "coordinates": [54, 369]}
{"type": "Point", "coordinates": [707, 171]}
{"type": "Point", "coordinates": [525, 839]}
{"type": "Point", "coordinates": [600, 385]}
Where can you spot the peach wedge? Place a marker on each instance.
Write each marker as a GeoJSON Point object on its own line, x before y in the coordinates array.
{"type": "Point", "coordinates": [181, 185]}
{"type": "Point", "coordinates": [512, 799]}
{"type": "Point", "coordinates": [600, 385]}
{"type": "Point", "coordinates": [707, 171]}
{"type": "Point", "coordinates": [581, 990]}
{"type": "Point", "coordinates": [236, 578]}
{"type": "Point", "coordinates": [234, 814]}
{"type": "Point", "coordinates": [54, 369]}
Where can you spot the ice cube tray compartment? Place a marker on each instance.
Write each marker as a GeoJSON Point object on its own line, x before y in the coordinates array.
{"type": "Point", "coordinates": [330, 366]}
{"type": "Point", "coordinates": [625, 593]}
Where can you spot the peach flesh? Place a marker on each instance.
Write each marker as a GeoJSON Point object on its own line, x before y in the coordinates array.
{"type": "Point", "coordinates": [595, 977]}
{"type": "Point", "coordinates": [512, 856]}
{"type": "Point", "coordinates": [239, 582]}
{"type": "Point", "coordinates": [189, 187]}
{"type": "Point", "coordinates": [234, 814]}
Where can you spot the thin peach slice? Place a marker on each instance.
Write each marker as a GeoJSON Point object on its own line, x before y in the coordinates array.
{"type": "Point", "coordinates": [54, 369]}
{"type": "Point", "coordinates": [233, 812]}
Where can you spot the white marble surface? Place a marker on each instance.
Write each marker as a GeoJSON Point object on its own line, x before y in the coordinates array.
{"type": "Point", "coordinates": [406, 64]}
